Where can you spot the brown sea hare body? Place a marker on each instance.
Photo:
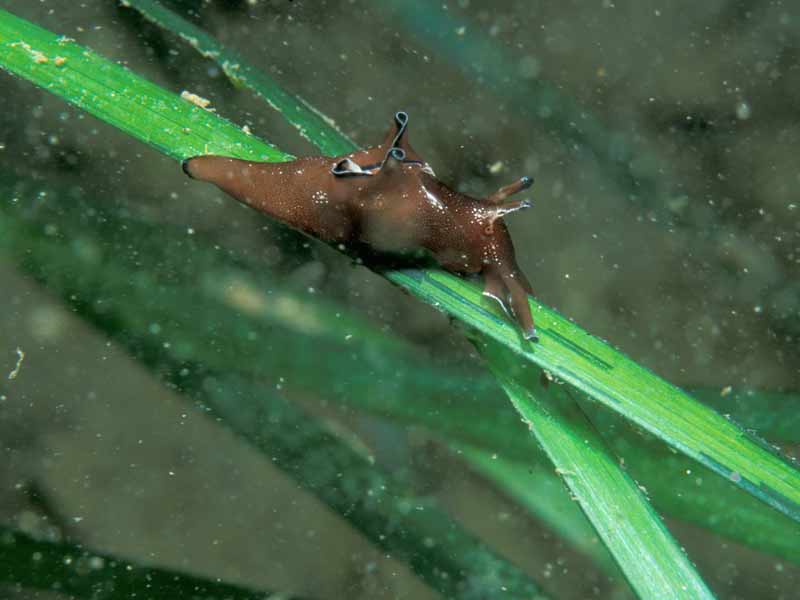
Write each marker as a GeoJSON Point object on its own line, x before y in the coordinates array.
{"type": "Point", "coordinates": [388, 198]}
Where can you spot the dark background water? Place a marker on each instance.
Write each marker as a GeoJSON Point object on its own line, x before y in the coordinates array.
{"type": "Point", "coordinates": [662, 138]}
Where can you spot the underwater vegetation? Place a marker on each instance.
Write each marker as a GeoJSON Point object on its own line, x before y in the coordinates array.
{"type": "Point", "coordinates": [201, 402]}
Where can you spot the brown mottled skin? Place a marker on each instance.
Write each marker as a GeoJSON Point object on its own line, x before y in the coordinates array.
{"type": "Point", "coordinates": [388, 198]}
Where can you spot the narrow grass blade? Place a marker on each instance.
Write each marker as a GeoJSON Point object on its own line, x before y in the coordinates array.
{"type": "Point", "coordinates": [544, 495]}
{"type": "Point", "coordinates": [309, 122]}
{"type": "Point", "coordinates": [773, 414]}
{"type": "Point", "coordinates": [241, 311]}
{"type": "Point", "coordinates": [70, 569]}
{"type": "Point", "coordinates": [566, 351]}
{"type": "Point", "coordinates": [674, 485]}
{"type": "Point", "coordinates": [768, 477]}
{"type": "Point", "coordinates": [572, 355]}
{"type": "Point", "coordinates": [652, 561]}
{"type": "Point", "coordinates": [386, 511]}
{"type": "Point", "coordinates": [90, 257]}
{"type": "Point", "coordinates": [409, 527]}
{"type": "Point", "coordinates": [115, 95]}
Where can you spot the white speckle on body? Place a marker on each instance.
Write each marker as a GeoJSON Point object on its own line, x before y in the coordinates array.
{"type": "Point", "coordinates": [433, 200]}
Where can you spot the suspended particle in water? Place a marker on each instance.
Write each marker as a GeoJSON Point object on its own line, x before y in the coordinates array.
{"type": "Point", "coordinates": [743, 110]}
{"type": "Point", "coordinates": [18, 366]}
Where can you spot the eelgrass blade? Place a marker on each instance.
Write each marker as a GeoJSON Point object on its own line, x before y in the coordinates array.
{"type": "Point", "coordinates": [653, 562]}
{"type": "Point", "coordinates": [772, 413]}
{"type": "Point", "coordinates": [112, 93]}
{"type": "Point", "coordinates": [566, 351]}
{"type": "Point", "coordinates": [241, 310]}
{"type": "Point", "coordinates": [543, 495]}
{"type": "Point", "coordinates": [309, 122]}
{"type": "Point", "coordinates": [572, 355]}
{"type": "Point", "coordinates": [411, 528]}
{"type": "Point", "coordinates": [593, 367]}
{"type": "Point", "coordinates": [81, 573]}
{"type": "Point", "coordinates": [674, 485]}
{"type": "Point", "coordinates": [91, 258]}
{"type": "Point", "coordinates": [384, 510]}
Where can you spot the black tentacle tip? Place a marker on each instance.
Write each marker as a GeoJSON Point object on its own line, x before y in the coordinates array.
{"type": "Point", "coordinates": [531, 335]}
{"type": "Point", "coordinates": [185, 166]}
{"type": "Point", "coordinates": [526, 204]}
{"type": "Point", "coordinates": [526, 182]}
{"type": "Point", "coordinates": [401, 117]}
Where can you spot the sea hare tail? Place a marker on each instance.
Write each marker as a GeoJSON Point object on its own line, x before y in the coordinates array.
{"type": "Point", "coordinates": [209, 168]}
{"type": "Point", "coordinates": [238, 178]}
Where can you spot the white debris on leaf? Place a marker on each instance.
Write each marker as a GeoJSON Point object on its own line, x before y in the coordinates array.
{"type": "Point", "coordinates": [196, 100]}
{"type": "Point", "coordinates": [37, 55]}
